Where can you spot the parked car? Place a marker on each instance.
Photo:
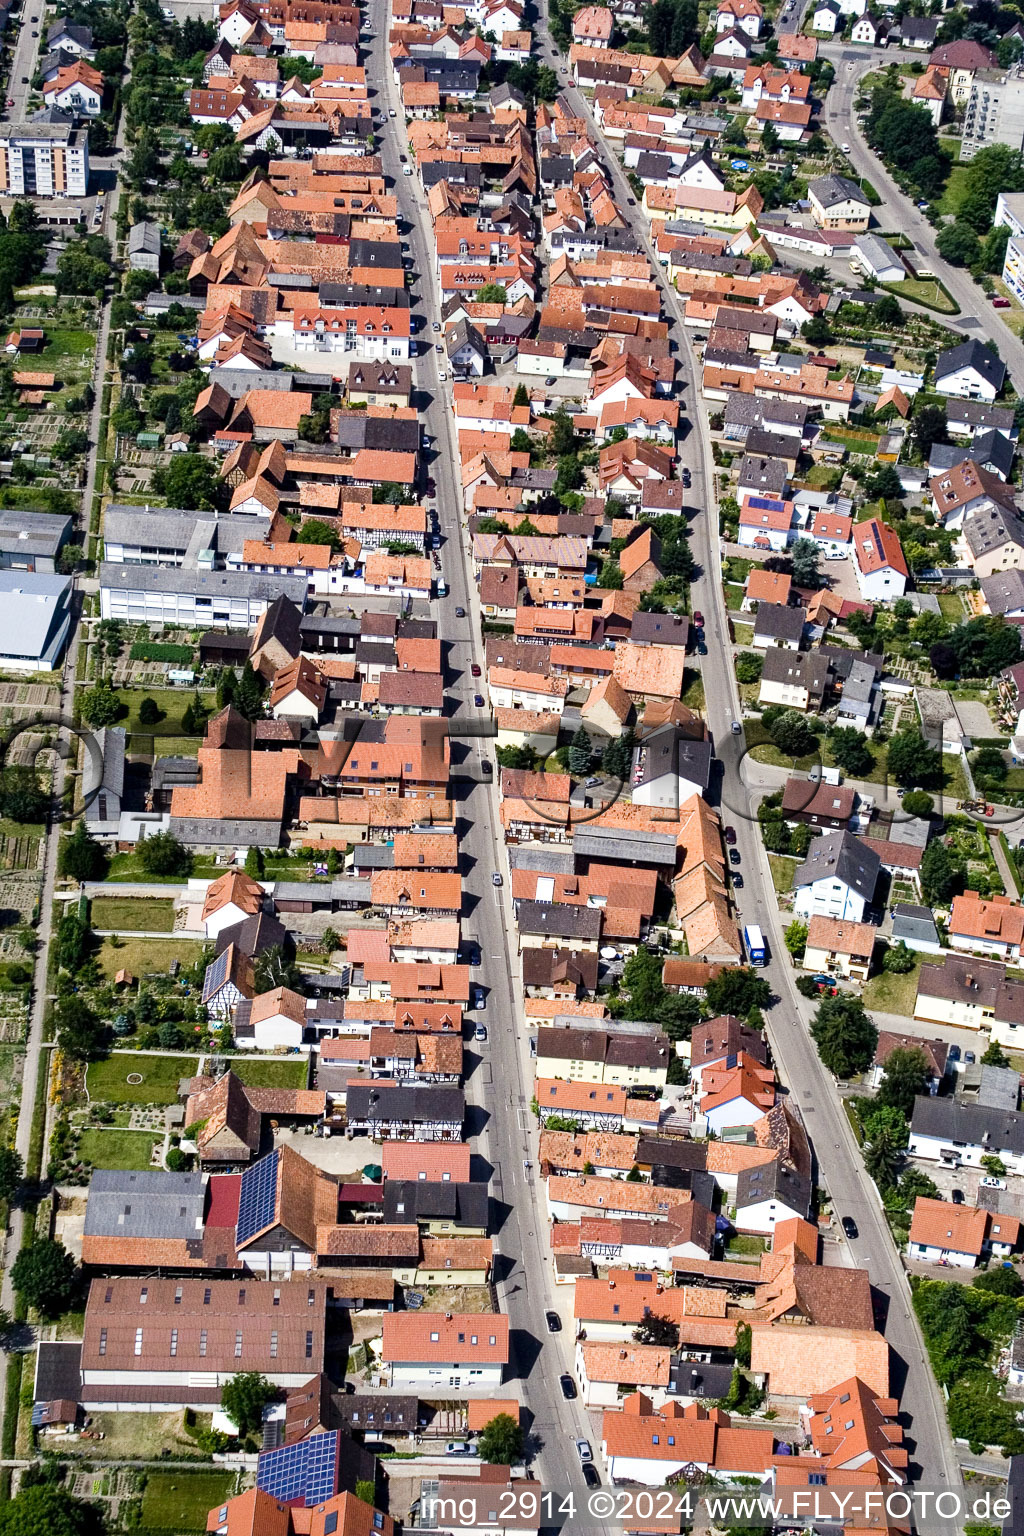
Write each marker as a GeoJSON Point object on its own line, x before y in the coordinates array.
{"type": "Point", "coordinates": [698, 620]}
{"type": "Point", "coordinates": [584, 1452]}
{"type": "Point", "coordinates": [953, 1054]}
{"type": "Point", "coordinates": [480, 998]}
{"type": "Point", "coordinates": [593, 781]}
{"type": "Point", "coordinates": [969, 1058]}
{"type": "Point", "coordinates": [591, 1476]}
{"type": "Point", "coordinates": [957, 1196]}
{"type": "Point", "coordinates": [460, 613]}
{"type": "Point", "coordinates": [734, 856]}
{"type": "Point", "coordinates": [736, 728]}
{"type": "Point", "coordinates": [475, 669]}
{"type": "Point", "coordinates": [550, 380]}
{"type": "Point", "coordinates": [460, 1448]}
{"type": "Point", "coordinates": [1000, 303]}
{"type": "Point", "coordinates": [438, 347]}
{"type": "Point", "coordinates": [730, 836]}
{"type": "Point", "coordinates": [850, 1226]}
{"type": "Point", "coordinates": [553, 1321]}
{"type": "Point", "coordinates": [436, 325]}
{"type": "Point", "coordinates": [496, 877]}
{"type": "Point", "coordinates": [480, 1033]}
{"type": "Point", "coordinates": [737, 881]}
{"type": "Point", "coordinates": [568, 1386]}
{"type": "Point", "coordinates": [991, 1182]}
{"type": "Point", "coordinates": [478, 700]}
{"type": "Point", "coordinates": [486, 767]}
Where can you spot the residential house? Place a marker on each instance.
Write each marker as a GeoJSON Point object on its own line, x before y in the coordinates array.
{"type": "Point", "coordinates": [958, 1134]}
{"type": "Point", "coordinates": [451, 1352]}
{"type": "Point", "coordinates": [992, 926]}
{"type": "Point", "coordinates": [839, 948]}
{"type": "Point", "coordinates": [776, 625]}
{"type": "Point", "coordinates": [838, 879]}
{"type": "Point", "coordinates": [880, 564]}
{"type": "Point", "coordinates": [959, 1235]}
{"type": "Point", "coordinates": [970, 370]}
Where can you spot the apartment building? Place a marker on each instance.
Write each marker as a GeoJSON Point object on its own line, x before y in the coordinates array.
{"type": "Point", "coordinates": [40, 159]}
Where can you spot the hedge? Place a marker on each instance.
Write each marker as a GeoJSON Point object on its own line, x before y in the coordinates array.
{"type": "Point", "coordinates": [142, 650]}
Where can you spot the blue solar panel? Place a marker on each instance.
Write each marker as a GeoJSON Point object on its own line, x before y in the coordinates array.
{"type": "Point", "coordinates": [762, 502]}
{"type": "Point", "coordinates": [306, 1473]}
{"type": "Point", "coordinates": [257, 1197]}
{"type": "Point", "coordinates": [216, 975]}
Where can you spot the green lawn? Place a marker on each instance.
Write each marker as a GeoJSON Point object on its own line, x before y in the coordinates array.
{"type": "Point", "coordinates": [951, 606]}
{"type": "Point", "coordinates": [172, 701]}
{"type": "Point", "coordinates": [145, 956]}
{"type": "Point", "coordinates": [181, 1501]}
{"type": "Point", "coordinates": [733, 597]}
{"type": "Point", "coordinates": [783, 869]}
{"type": "Point", "coordinates": [62, 343]}
{"type": "Point", "coordinates": [693, 689]}
{"type": "Point", "coordinates": [926, 290]}
{"type": "Point", "coordinates": [952, 145]}
{"type": "Point", "coordinates": [893, 994]}
{"type": "Point", "coordinates": [106, 1081]}
{"type": "Point", "coordinates": [292, 1073]}
{"type": "Point", "coordinates": [128, 866]}
{"type": "Point", "coordinates": [956, 190]}
{"type": "Point", "coordinates": [155, 915]}
{"type": "Point", "coordinates": [117, 1149]}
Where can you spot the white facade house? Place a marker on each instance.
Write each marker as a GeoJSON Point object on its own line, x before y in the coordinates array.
{"type": "Point", "coordinates": [958, 1134]}
{"type": "Point", "coordinates": [970, 371]}
{"type": "Point", "coordinates": [825, 18]}
{"type": "Point", "coordinates": [277, 1020]}
{"type": "Point", "coordinates": [192, 598]}
{"type": "Point", "coordinates": [445, 1351]}
{"type": "Point", "coordinates": [44, 160]}
{"type": "Point", "coordinates": [837, 879]}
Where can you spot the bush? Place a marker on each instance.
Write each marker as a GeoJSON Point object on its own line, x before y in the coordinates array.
{"type": "Point", "coordinates": [144, 650]}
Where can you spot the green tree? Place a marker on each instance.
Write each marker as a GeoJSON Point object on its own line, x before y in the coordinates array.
{"type": "Point", "coordinates": [928, 427]}
{"type": "Point", "coordinates": [884, 484]}
{"type": "Point", "coordinates": [149, 711]}
{"type": "Point", "coordinates": [844, 1034]}
{"type": "Point", "coordinates": [918, 803]}
{"type": "Point", "coordinates": [190, 482]}
{"type": "Point", "coordinates": [100, 705]}
{"type": "Point", "coordinates": [904, 1077]}
{"type": "Point", "coordinates": [876, 1118]}
{"type": "Point", "coordinates": [979, 1415]}
{"type": "Point", "coordinates": [741, 1349]}
{"type": "Point", "coordinates": [882, 1159]}
{"type": "Point", "coordinates": [581, 753]}
{"type": "Point", "coordinates": [521, 396]}
{"type": "Point", "coordinates": [72, 942]}
{"type": "Point", "coordinates": [796, 938]}
{"type": "Point", "coordinates": [80, 857]}
{"type": "Point", "coordinates": [366, 1490]}
{"type": "Point", "coordinates": [850, 751]}
{"type": "Point", "coordinates": [248, 698]}
{"type": "Point", "coordinates": [12, 1171]}
{"type": "Point", "coordinates": [898, 959]}
{"type": "Point", "coordinates": [254, 863]}
{"type": "Point", "coordinates": [958, 244]}
{"type": "Point", "coordinates": [46, 1277]}
{"type": "Point", "coordinates": [315, 531]}
{"type": "Point", "coordinates": [990, 764]}
{"type": "Point", "coordinates": [737, 990]}
{"type": "Point", "coordinates": [805, 557]}
{"type": "Point", "coordinates": [492, 293]}
{"type": "Point", "coordinates": [911, 761]}
{"type": "Point", "coordinates": [942, 876]}
{"type": "Point", "coordinates": [792, 734]}
{"type": "Point", "coordinates": [748, 667]}
{"type": "Point", "coordinates": [501, 1441]}
{"type": "Point", "coordinates": [44, 1507]}
{"type": "Point", "coordinates": [609, 576]}
{"type": "Point", "coordinates": [80, 1032]}
{"type": "Point", "coordinates": [244, 1398]}
{"type": "Point", "coordinates": [1000, 1282]}
{"type": "Point", "coordinates": [515, 757]}
{"type": "Point", "coordinates": [994, 1055]}
{"type": "Point", "coordinates": [617, 757]}
{"type": "Point", "coordinates": [162, 854]}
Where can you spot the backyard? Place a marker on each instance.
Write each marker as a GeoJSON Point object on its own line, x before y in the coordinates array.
{"type": "Point", "coordinates": [293, 1073]}
{"type": "Point", "coordinates": [107, 1081]}
{"type": "Point", "coordinates": [889, 993]}
{"type": "Point", "coordinates": [117, 1148]}
{"type": "Point", "coordinates": [181, 1501]}
{"type": "Point", "coordinates": [132, 914]}
{"type": "Point", "coordinates": [146, 956]}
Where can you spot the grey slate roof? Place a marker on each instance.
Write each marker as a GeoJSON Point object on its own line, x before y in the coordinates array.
{"type": "Point", "coordinates": [33, 533]}
{"type": "Point", "coordinates": [659, 629]}
{"type": "Point", "coordinates": [774, 1181]}
{"type": "Point", "coordinates": [408, 1200]}
{"type": "Point", "coordinates": [971, 354]}
{"type": "Point", "coordinates": [430, 1101]}
{"type": "Point", "coordinates": [991, 528]}
{"type": "Point", "coordinates": [830, 190]}
{"type": "Point", "coordinates": [626, 846]}
{"type": "Point", "coordinates": [154, 578]}
{"type": "Point", "coordinates": [837, 855]}
{"type": "Point", "coordinates": [808, 669]}
{"type": "Point", "coordinates": [145, 1204]}
{"type": "Point", "coordinates": [910, 922]}
{"type": "Point", "coordinates": [668, 751]}
{"type": "Point", "coordinates": [1004, 592]}
{"type": "Point", "coordinates": [970, 1125]}
{"type": "Point", "coordinates": [30, 605]}
{"type": "Point", "coordinates": [779, 622]}
{"type": "Point", "coordinates": [563, 922]}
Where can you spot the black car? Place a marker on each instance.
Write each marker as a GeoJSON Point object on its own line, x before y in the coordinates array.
{"type": "Point", "coordinates": [957, 1196]}
{"type": "Point", "coordinates": [737, 881]}
{"type": "Point", "coordinates": [568, 1386]}
{"type": "Point", "coordinates": [553, 1321]}
{"type": "Point", "coordinates": [702, 649]}
{"type": "Point", "coordinates": [591, 1476]}
{"type": "Point", "coordinates": [849, 1226]}
{"type": "Point", "coordinates": [734, 856]}
{"type": "Point", "coordinates": [460, 613]}
{"type": "Point", "coordinates": [686, 477]}
{"type": "Point", "coordinates": [953, 1054]}
{"type": "Point", "coordinates": [486, 767]}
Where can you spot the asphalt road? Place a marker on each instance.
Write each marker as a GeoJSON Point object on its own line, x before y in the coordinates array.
{"type": "Point", "coordinates": [977, 316]}
{"type": "Point", "coordinates": [811, 1088]}
{"type": "Point", "coordinates": [500, 1083]}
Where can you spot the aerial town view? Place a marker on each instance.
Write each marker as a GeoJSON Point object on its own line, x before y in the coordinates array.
{"type": "Point", "coordinates": [511, 767]}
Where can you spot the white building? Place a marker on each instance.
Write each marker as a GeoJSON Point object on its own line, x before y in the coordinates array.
{"type": "Point", "coordinates": [44, 160]}
{"type": "Point", "coordinates": [445, 1351]}
{"type": "Point", "coordinates": [837, 879]}
{"type": "Point", "coordinates": [876, 257]}
{"type": "Point", "coordinates": [277, 1020]}
{"type": "Point", "coordinates": [970, 371]}
{"type": "Point", "coordinates": [192, 598]}
{"type": "Point", "coordinates": [956, 1134]}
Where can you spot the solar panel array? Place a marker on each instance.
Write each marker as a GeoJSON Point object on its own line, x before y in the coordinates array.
{"type": "Point", "coordinates": [257, 1198]}
{"type": "Point", "coordinates": [216, 974]}
{"type": "Point", "coordinates": [763, 503]}
{"type": "Point", "coordinates": [305, 1473]}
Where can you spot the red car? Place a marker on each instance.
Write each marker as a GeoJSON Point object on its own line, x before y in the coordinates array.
{"type": "Point", "coordinates": [475, 669]}
{"type": "Point", "coordinates": [698, 620]}
{"type": "Point", "coordinates": [998, 303]}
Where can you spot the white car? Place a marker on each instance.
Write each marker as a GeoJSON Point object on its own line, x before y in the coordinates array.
{"type": "Point", "coordinates": [584, 1452]}
{"type": "Point", "coordinates": [988, 1182]}
{"type": "Point", "coordinates": [846, 149]}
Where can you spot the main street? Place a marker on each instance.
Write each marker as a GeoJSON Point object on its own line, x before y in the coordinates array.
{"type": "Point", "coordinates": [500, 1084]}
{"type": "Point", "coordinates": [811, 1088]}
